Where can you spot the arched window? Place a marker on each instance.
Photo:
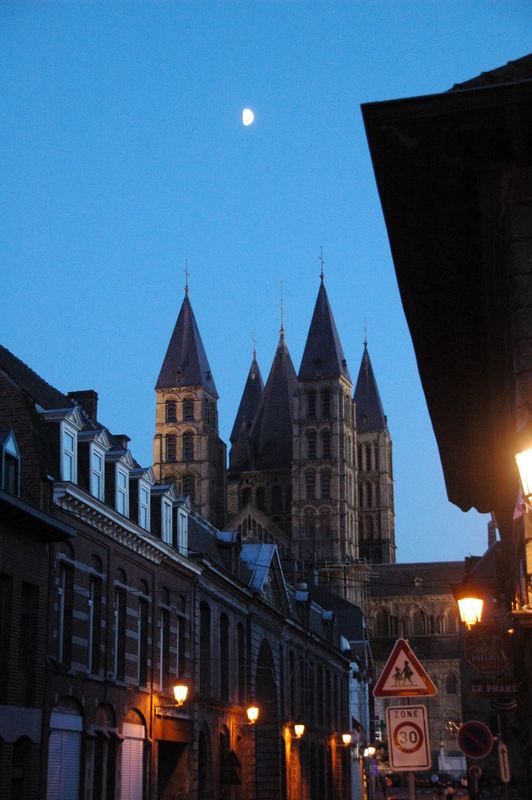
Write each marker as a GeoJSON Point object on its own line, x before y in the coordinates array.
{"type": "Point", "coordinates": [188, 409]}
{"type": "Point", "coordinates": [325, 523]}
{"type": "Point", "coordinates": [246, 496]}
{"type": "Point", "coordinates": [188, 487]}
{"type": "Point", "coordinates": [310, 484]}
{"type": "Point", "coordinates": [326, 444]}
{"type": "Point", "coordinates": [205, 650]}
{"type": "Point", "coordinates": [311, 405]}
{"type": "Point", "coordinates": [310, 525]}
{"type": "Point", "coordinates": [451, 683]}
{"type": "Point", "coordinates": [368, 457]}
{"type": "Point", "coordinates": [224, 657]}
{"type": "Point", "coordinates": [260, 497]}
{"type": "Point", "coordinates": [277, 499]}
{"type": "Point", "coordinates": [311, 444]}
{"type": "Point", "coordinates": [359, 457]}
{"type": "Point", "coordinates": [325, 485]}
{"type": "Point", "coordinates": [417, 622]}
{"type": "Point", "coordinates": [369, 529]}
{"type": "Point", "coordinates": [377, 458]}
{"type": "Point", "coordinates": [171, 415]}
{"type": "Point", "coordinates": [382, 623]}
{"type": "Point", "coordinates": [171, 448]}
{"type": "Point", "coordinates": [325, 404]}
{"type": "Point", "coordinates": [369, 495]}
{"type": "Point", "coordinates": [188, 446]}
{"type": "Point", "coordinates": [451, 621]}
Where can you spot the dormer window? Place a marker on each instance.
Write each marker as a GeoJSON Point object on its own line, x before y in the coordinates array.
{"type": "Point", "coordinates": [166, 521]}
{"type": "Point", "coordinates": [122, 498]}
{"type": "Point", "coordinates": [144, 508]}
{"type": "Point", "coordinates": [10, 463]}
{"type": "Point", "coordinates": [182, 532]}
{"type": "Point", "coordinates": [97, 474]}
{"type": "Point", "coordinates": [68, 453]}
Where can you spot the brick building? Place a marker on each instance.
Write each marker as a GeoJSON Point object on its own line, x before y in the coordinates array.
{"type": "Point", "coordinates": [112, 588]}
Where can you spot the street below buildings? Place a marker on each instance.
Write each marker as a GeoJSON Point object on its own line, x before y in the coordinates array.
{"type": "Point", "coordinates": [401, 793]}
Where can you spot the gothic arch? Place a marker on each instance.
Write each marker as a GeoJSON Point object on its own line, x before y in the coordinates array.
{"type": "Point", "coordinates": [417, 619]}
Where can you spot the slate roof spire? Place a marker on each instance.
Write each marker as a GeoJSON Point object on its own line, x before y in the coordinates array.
{"type": "Point", "coordinates": [323, 356]}
{"type": "Point", "coordinates": [369, 411]}
{"type": "Point", "coordinates": [185, 362]}
{"type": "Point", "coordinates": [250, 399]}
{"type": "Point", "coordinates": [272, 429]}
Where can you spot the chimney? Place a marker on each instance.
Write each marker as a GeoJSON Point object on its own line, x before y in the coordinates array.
{"type": "Point", "coordinates": [88, 400]}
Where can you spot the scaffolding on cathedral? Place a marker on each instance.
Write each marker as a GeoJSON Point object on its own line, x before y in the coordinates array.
{"type": "Point", "coordinates": [351, 579]}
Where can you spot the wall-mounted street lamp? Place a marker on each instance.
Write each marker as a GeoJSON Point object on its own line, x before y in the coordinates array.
{"type": "Point", "coordinates": [370, 751]}
{"type": "Point", "coordinates": [253, 714]}
{"type": "Point", "coordinates": [347, 739]}
{"type": "Point", "coordinates": [470, 603]}
{"type": "Point", "coordinates": [180, 692]}
{"type": "Point", "coordinates": [299, 730]}
{"type": "Point", "coordinates": [523, 458]}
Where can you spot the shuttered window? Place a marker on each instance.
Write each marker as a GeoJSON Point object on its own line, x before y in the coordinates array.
{"type": "Point", "coordinates": [64, 752]}
{"type": "Point", "coordinates": [132, 762]}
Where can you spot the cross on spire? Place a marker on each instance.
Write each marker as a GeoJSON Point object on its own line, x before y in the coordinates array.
{"type": "Point", "coordinates": [365, 333]}
{"type": "Point", "coordinates": [322, 262]}
{"type": "Point", "coordinates": [282, 311]}
{"type": "Point", "coordinates": [254, 340]}
{"type": "Point", "coordinates": [187, 273]}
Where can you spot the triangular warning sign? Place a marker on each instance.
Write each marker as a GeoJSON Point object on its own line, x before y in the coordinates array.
{"type": "Point", "coordinates": [403, 675]}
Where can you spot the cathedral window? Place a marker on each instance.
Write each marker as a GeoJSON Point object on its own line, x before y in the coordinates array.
{"type": "Point", "coordinates": [171, 413]}
{"type": "Point", "coordinates": [310, 525]}
{"type": "Point", "coordinates": [369, 529]}
{"type": "Point", "coordinates": [382, 623]}
{"type": "Point", "coordinates": [325, 485]}
{"type": "Point", "coordinates": [326, 444]}
{"type": "Point", "coordinates": [368, 457]}
{"type": "Point", "coordinates": [451, 684]}
{"type": "Point", "coordinates": [246, 496]}
{"type": "Point", "coordinates": [171, 448]}
{"type": "Point", "coordinates": [377, 458]}
{"type": "Point", "coordinates": [261, 498]}
{"type": "Point", "coordinates": [325, 404]}
{"type": "Point", "coordinates": [359, 457]}
{"type": "Point", "coordinates": [369, 495]}
{"type": "Point", "coordinates": [311, 445]}
{"type": "Point", "coordinates": [310, 485]}
{"type": "Point", "coordinates": [311, 405]}
{"type": "Point", "coordinates": [277, 498]}
{"type": "Point", "coordinates": [188, 446]}
{"type": "Point", "coordinates": [188, 487]}
{"type": "Point", "coordinates": [188, 410]}
{"type": "Point", "coordinates": [417, 622]}
{"type": "Point", "coordinates": [325, 523]}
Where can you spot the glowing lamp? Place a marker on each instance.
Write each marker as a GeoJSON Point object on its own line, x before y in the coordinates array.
{"type": "Point", "coordinates": [371, 751]}
{"type": "Point", "coordinates": [470, 610]}
{"type": "Point", "coordinates": [346, 739]}
{"type": "Point", "coordinates": [253, 714]}
{"type": "Point", "coordinates": [180, 693]}
{"type": "Point", "coordinates": [299, 730]}
{"type": "Point", "coordinates": [523, 457]}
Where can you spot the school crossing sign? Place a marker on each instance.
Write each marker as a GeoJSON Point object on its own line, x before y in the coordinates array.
{"type": "Point", "coordinates": [403, 675]}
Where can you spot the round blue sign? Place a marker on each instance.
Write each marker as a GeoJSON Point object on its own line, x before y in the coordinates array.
{"type": "Point", "coordinates": [474, 739]}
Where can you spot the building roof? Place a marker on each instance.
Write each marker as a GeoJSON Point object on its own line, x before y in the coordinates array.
{"type": "Point", "coordinates": [187, 354]}
{"type": "Point", "coordinates": [250, 399]}
{"type": "Point", "coordinates": [369, 411]}
{"type": "Point", "coordinates": [415, 579]}
{"type": "Point", "coordinates": [32, 384]}
{"type": "Point", "coordinates": [323, 356]}
{"type": "Point", "coordinates": [443, 164]}
{"type": "Point", "coordinates": [271, 432]}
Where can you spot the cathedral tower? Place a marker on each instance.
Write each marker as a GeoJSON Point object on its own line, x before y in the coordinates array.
{"type": "Point", "coordinates": [323, 474]}
{"type": "Point", "coordinates": [260, 460]}
{"type": "Point", "coordinates": [376, 518]}
{"type": "Point", "coordinates": [187, 450]}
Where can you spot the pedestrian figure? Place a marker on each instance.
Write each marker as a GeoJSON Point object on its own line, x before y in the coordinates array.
{"type": "Point", "coordinates": [397, 676]}
{"type": "Point", "coordinates": [407, 673]}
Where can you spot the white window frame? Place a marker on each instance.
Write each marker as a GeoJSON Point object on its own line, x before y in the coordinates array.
{"type": "Point", "coordinates": [166, 520]}
{"type": "Point", "coordinates": [182, 532]}
{"type": "Point", "coordinates": [96, 452]}
{"type": "Point", "coordinates": [122, 492]}
{"type": "Point", "coordinates": [69, 456]}
{"type": "Point", "coordinates": [144, 506]}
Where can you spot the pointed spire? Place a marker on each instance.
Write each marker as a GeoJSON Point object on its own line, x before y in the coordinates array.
{"type": "Point", "coordinates": [250, 398]}
{"type": "Point", "coordinates": [271, 432]}
{"type": "Point", "coordinates": [185, 362]}
{"type": "Point", "coordinates": [323, 356]}
{"type": "Point", "coordinates": [370, 414]}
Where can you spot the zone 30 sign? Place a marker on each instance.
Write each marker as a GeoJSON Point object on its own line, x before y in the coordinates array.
{"type": "Point", "coordinates": [408, 737]}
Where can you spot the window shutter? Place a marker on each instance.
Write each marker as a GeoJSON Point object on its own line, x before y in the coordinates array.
{"type": "Point", "coordinates": [64, 752]}
{"type": "Point", "coordinates": [132, 762]}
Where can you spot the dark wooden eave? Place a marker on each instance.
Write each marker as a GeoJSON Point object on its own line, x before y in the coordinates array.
{"type": "Point", "coordinates": [24, 517]}
{"type": "Point", "coordinates": [443, 166]}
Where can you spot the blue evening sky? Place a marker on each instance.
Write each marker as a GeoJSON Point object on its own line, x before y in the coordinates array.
{"type": "Point", "coordinates": [123, 154]}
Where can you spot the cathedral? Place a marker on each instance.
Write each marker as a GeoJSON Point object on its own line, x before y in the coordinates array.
{"type": "Point", "coordinates": [310, 460]}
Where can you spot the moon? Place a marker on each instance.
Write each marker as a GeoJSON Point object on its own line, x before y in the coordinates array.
{"type": "Point", "coordinates": [247, 117]}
